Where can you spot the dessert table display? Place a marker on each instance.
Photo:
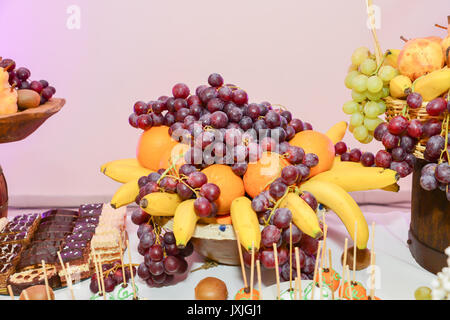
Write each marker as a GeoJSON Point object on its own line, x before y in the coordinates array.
{"type": "Point", "coordinates": [399, 274]}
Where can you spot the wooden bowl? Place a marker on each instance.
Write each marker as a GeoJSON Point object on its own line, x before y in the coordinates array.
{"type": "Point", "coordinates": [217, 241]}
{"type": "Point", "coordinates": [18, 126]}
{"type": "Point", "coordinates": [214, 241]}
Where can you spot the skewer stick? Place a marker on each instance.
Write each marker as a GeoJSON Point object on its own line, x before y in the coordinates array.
{"type": "Point", "coordinates": [295, 289]}
{"type": "Point", "coordinates": [299, 272]}
{"type": "Point", "coordinates": [331, 267]}
{"type": "Point", "coordinates": [324, 246]}
{"type": "Point", "coordinates": [100, 270]}
{"type": "Point", "coordinates": [69, 281]}
{"type": "Point", "coordinates": [372, 279]}
{"type": "Point", "coordinates": [45, 279]}
{"type": "Point", "coordinates": [320, 283]}
{"type": "Point", "coordinates": [258, 272]}
{"type": "Point", "coordinates": [370, 13]}
{"type": "Point", "coordinates": [349, 283]}
{"type": "Point", "coordinates": [277, 274]}
{"type": "Point", "coordinates": [372, 262]}
{"type": "Point", "coordinates": [67, 276]}
{"type": "Point", "coordinates": [244, 276]}
{"type": "Point", "coordinates": [10, 292]}
{"type": "Point", "coordinates": [344, 263]}
{"type": "Point", "coordinates": [131, 270]}
{"type": "Point", "coordinates": [354, 251]}
{"type": "Point", "coordinates": [252, 271]}
{"type": "Point", "coordinates": [62, 264]}
{"type": "Point", "coordinates": [25, 294]}
{"type": "Point", "coordinates": [290, 257]}
{"type": "Point", "coordinates": [315, 269]}
{"type": "Point", "coordinates": [121, 261]}
{"type": "Point", "coordinates": [100, 292]}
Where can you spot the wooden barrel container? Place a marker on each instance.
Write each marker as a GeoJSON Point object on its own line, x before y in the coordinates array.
{"type": "Point", "coordinates": [3, 195]}
{"type": "Point", "coordinates": [429, 233]}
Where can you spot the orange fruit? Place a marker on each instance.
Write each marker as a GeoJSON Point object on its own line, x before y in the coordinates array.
{"type": "Point", "coordinates": [319, 144]}
{"type": "Point", "coordinates": [231, 185]}
{"type": "Point", "coordinates": [152, 144]}
{"type": "Point", "coordinates": [260, 173]}
{"type": "Point", "coordinates": [170, 155]}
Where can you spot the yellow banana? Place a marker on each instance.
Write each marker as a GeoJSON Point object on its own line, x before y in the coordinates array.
{"type": "Point", "coordinates": [162, 204]}
{"type": "Point", "coordinates": [338, 200]}
{"type": "Point", "coordinates": [400, 86]}
{"type": "Point", "coordinates": [245, 222]}
{"type": "Point", "coordinates": [338, 164]}
{"type": "Point", "coordinates": [126, 194]}
{"type": "Point", "coordinates": [433, 84]}
{"type": "Point", "coordinates": [128, 161]}
{"type": "Point", "coordinates": [184, 222]}
{"type": "Point", "coordinates": [392, 188]}
{"type": "Point", "coordinates": [302, 215]}
{"type": "Point", "coordinates": [392, 57]}
{"type": "Point", "coordinates": [124, 172]}
{"type": "Point", "coordinates": [337, 132]}
{"type": "Point", "coordinates": [358, 179]}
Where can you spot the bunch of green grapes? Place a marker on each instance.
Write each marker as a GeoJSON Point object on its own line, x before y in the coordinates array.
{"type": "Point", "coordinates": [369, 84]}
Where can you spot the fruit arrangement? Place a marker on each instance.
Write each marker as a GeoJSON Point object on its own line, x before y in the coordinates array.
{"type": "Point", "coordinates": [215, 157]}
{"type": "Point", "coordinates": [416, 101]}
{"type": "Point", "coordinates": [17, 92]}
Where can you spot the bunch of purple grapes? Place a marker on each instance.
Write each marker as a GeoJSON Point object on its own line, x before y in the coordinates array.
{"type": "Point", "coordinates": [436, 176]}
{"type": "Point", "coordinates": [19, 79]}
{"type": "Point", "coordinates": [400, 137]}
{"type": "Point", "coordinates": [278, 232]}
{"type": "Point", "coordinates": [163, 259]}
{"type": "Point", "coordinates": [278, 222]}
{"type": "Point", "coordinates": [112, 276]}
{"type": "Point", "coordinates": [219, 119]}
{"type": "Point", "coordinates": [367, 159]}
{"type": "Point", "coordinates": [190, 184]}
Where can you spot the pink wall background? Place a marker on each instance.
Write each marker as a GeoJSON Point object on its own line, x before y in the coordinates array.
{"type": "Point", "coordinates": [291, 52]}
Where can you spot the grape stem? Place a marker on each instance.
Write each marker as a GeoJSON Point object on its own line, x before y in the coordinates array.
{"type": "Point", "coordinates": [381, 62]}
{"type": "Point", "coordinates": [172, 166]}
{"type": "Point", "coordinates": [445, 131]}
{"type": "Point", "coordinates": [275, 207]}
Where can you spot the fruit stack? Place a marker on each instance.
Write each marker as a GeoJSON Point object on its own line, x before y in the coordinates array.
{"type": "Point", "coordinates": [204, 156]}
{"type": "Point", "coordinates": [17, 93]}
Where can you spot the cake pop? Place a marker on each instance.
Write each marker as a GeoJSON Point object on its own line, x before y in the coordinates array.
{"type": "Point", "coordinates": [330, 277]}
{"type": "Point", "coordinates": [244, 294]}
{"type": "Point", "coordinates": [352, 290]}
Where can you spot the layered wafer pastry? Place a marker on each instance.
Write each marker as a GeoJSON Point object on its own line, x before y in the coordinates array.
{"type": "Point", "coordinates": [27, 278]}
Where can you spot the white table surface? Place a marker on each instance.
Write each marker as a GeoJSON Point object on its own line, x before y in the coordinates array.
{"type": "Point", "coordinates": [399, 274]}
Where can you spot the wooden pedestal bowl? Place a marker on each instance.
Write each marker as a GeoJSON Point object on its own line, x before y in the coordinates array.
{"type": "Point", "coordinates": [218, 241]}
{"type": "Point", "coordinates": [18, 126]}
{"type": "Point", "coordinates": [214, 241]}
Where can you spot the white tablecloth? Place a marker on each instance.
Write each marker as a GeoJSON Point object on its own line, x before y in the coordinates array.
{"type": "Point", "coordinates": [399, 274]}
